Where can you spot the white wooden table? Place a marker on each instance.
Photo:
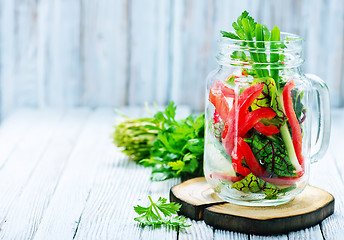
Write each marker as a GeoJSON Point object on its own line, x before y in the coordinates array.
{"type": "Point", "coordinates": [62, 178]}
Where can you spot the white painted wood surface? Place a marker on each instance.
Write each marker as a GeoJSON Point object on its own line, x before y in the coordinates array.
{"type": "Point", "coordinates": [62, 178]}
{"type": "Point", "coordinates": [63, 53]}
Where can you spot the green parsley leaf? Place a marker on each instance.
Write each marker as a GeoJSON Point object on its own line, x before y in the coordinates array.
{"type": "Point", "coordinates": [239, 55]}
{"type": "Point", "coordinates": [160, 213]}
{"type": "Point", "coordinates": [229, 35]}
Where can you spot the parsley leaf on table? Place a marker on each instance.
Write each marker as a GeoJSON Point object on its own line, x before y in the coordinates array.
{"type": "Point", "coordinates": [152, 215]}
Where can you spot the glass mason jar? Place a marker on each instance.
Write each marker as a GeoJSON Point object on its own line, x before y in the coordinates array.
{"type": "Point", "coordinates": [266, 121]}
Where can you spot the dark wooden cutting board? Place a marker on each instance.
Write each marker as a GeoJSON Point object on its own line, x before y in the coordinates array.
{"type": "Point", "coordinates": [199, 201]}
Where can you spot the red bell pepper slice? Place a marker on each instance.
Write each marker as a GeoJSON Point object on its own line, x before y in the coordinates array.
{"type": "Point", "coordinates": [217, 98]}
{"type": "Point", "coordinates": [237, 157]}
{"type": "Point", "coordinates": [228, 92]}
{"type": "Point", "coordinates": [294, 124]}
{"type": "Point", "coordinates": [251, 161]}
{"type": "Point", "coordinates": [252, 118]}
{"type": "Point", "coordinates": [266, 130]}
{"type": "Point", "coordinates": [228, 137]}
{"type": "Point", "coordinates": [245, 99]}
{"type": "Point", "coordinates": [248, 96]}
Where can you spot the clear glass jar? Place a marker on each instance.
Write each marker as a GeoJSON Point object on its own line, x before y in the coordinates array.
{"type": "Point", "coordinates": [260, 109]}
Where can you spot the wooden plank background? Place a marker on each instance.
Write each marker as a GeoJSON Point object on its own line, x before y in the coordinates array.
{"type": "Point", "coordinates": [66, 53]}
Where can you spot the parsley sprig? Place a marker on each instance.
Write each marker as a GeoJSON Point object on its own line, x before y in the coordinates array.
{"type": "Point", "coordinates": [150, 216]}
{"type": "Point", "coordinates": [173, 148]}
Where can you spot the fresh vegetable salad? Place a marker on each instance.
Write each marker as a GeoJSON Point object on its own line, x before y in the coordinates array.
{"type": "Point", "coordinates": [256, 116]}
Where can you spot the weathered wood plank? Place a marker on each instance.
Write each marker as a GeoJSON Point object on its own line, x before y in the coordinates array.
{"type": "Point", "coordinates": [143, 51]}
{"type": "Point", "coordinates": [27, 210]}
{"type": "Point", "coordinates": [109, 206]}
{"type": "Point", "coordinates": [8, 61]}
{"type": "Point", "coordinates": [105, 27]}
{"type": "Point", "coordinates": [44, 24]}
{"type": "Point", "coordinates": [224, 235]}
{"type": "Point", "coordinates": [149, 50]}
{"type": "Point", "coordinates": [109, 212]}
{"type": "Point", "coordinates": [328, 175]}
{"type": "Point", "coordinates": [337, 140]}
{"type": "Point", "coordinates": [64, 86]}
{"type": "Point", "coordinates": [13, 130]}
{"type": "Point", "coordinates": [62, 216]}
{"type": "Point", "coordinates": [163, 51]}
{"type": "Point", "coordinates": [279, 237]}
{"type": "Point", "coordinates": [115, 53]}
{"type": "Point", "coordinates": [308, 233]}
{"type": "Point", "coordinates": [198, 230]}
{"type": "Point", "coordinates": [191, 53]}
{"type": "Point", "coordinates": [20, 165]}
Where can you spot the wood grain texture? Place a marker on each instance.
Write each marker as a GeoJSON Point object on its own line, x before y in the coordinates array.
{"type": "Point", "coordinates": [118, 53]}
{"type": "Point", "coordinates": [75, 184]}
{"type": "Point", "coordinates": [51, 188]}
{"type": "Point", "coordinates": [194, 196]}
{"type": "Point", "coordinates": [22, 162]}
{"type": "Point", "coordinates": [198, 230]}
{"type": "Point", "coordinates": [40, 188]}
{"type": "Point", "coordinates": [104, 39]}
{"type": "Point", "coordinates": [307, 209]}
{"type": "Point", "coordinates": [65, 55]}
{"type": "Point", "coordinates": [199, 201]}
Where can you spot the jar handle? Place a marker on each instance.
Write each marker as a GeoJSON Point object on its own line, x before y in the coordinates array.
{"type": "Point", "coordinates": [322, 137]}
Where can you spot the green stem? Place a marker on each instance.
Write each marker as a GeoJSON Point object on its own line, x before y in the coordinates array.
{"type": "Point", "coordinates": [274, 55]}
{"type": "Point", "coordinates": [254, 56]}
{"type": "Point", "coordinates": [290, 147]}
{"type": "Point", "coordinates": [261, 48]}
{"type": "Point", "coordinates": [288, 141]}
{"type": "Point", "coordinates": [153, 204]}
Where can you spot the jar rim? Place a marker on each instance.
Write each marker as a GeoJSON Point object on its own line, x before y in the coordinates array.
{"type": "Point", "coordinates": [290, 47]}
{"type": "Point", "coordinates": [285, 37]}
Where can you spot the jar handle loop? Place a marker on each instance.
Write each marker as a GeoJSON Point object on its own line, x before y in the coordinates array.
{"type": "Point", "coordinates": [321, 139]}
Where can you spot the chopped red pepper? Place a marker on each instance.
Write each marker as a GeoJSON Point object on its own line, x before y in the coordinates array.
{"type": "Point", "coordinates": [294, 124]}
{"type": "Point", "coordinates": [251, 161]}
{"type": "Point", "coordinates": [228, 137]}
{"type": "Point", "coordinates": [266, 130]}
{"type": "Point", "coordinates": [228, 92]}
{"type": "Point", "coordinates": [245, 99]}
{"type": "Point", "coordinates": [238, 121]}
{"type": "Point", "coordinates": [248, 96]}
{"type": "Point", "coordinates": [252, 118]}
{"type": "Point", "coordinates": [217, 98]}
{"type": "Point", "coordinates": [237, 157]}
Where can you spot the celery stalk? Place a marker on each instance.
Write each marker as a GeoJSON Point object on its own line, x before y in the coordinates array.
{"type": "Point", "coordinates": [288, 141]}
{"type": "Point", "coordinates": [290, 147]}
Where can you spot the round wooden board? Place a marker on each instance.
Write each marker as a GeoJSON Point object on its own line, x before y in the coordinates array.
{"type": "Point", "coordinates": [199, 201]}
